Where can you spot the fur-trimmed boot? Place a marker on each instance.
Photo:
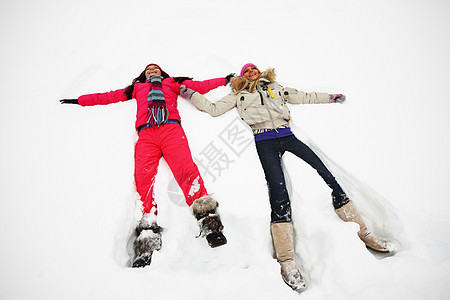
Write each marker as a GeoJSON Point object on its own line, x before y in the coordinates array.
{"type": "Point", "coordinates": [349, 213]}
{"type": "Point", "coordinates": [148, 240]}
{"type": "Point", "coordinates": [283, 242]}
{"type": "Point", "coordinates": [204, 210]}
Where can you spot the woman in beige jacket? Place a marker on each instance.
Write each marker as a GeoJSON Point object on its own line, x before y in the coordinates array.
{"type": "Point", "coordinates": [262, 103]}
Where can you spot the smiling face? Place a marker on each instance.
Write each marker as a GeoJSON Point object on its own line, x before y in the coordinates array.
{"type": "Point", "coordinates": [251, 73]}
{"type": "Point", "coordinates": [152, 70]}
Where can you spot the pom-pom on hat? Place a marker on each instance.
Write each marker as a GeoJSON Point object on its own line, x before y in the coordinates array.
{"type": "Point", "coordinates": [246, 66]}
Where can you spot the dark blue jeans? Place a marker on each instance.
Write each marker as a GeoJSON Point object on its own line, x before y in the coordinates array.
{"type": "Point", "coordinates": [270, 153]}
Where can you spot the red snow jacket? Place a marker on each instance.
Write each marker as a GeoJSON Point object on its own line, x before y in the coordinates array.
{"type": "Point", "coordinates": [171, 90]}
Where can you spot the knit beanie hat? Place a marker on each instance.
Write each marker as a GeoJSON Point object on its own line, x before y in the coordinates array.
{"type": "Point", "coordinates": [163, 74]}
{"type": "Point", "coordinates": [246, 66]}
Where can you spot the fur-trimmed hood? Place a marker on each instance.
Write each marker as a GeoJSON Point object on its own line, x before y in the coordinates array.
{"type": "Point", "coordinates": [239, 83]}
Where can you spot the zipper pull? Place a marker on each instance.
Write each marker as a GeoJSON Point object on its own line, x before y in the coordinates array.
{"type": "Point", "coordinates": [271, 93]}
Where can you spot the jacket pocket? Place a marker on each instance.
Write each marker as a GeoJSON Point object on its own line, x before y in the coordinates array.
{"type": "Point", "coordinates": [251, 110]}
{"type": "Point", "coordinates": [291, 95]}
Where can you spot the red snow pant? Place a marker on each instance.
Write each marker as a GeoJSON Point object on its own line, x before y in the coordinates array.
{"type": "Point", "coordinates": [170, 142]}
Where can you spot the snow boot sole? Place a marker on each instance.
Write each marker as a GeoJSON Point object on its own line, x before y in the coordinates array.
{"type": "Point", "coordinates": [216, 239]}
{"type": "Point", "coordinates": [143, 260]}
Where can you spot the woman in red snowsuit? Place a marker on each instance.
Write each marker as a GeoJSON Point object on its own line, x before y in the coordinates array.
{"type": "Point", "coordinates": [160, 134]}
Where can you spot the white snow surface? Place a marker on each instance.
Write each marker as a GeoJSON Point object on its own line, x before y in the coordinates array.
{"type": "Point", "coordinates": [68, 204]}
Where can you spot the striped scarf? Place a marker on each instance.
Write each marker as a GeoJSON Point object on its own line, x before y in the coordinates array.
{"type": "Point", "coordinates": [157, 109]}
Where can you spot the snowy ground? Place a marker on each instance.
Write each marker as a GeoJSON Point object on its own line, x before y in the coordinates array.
{"type": "Point", "coordinates": [67, 194]}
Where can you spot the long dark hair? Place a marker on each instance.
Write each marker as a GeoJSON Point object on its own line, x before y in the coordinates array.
{"type": "Point", "coordinates": [141, 78]}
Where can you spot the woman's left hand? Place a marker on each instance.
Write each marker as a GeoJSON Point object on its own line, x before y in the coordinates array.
{"type": "Point", "coordinates": [229, 76]}
{"type": "Point", "coordinates": [339, 98]}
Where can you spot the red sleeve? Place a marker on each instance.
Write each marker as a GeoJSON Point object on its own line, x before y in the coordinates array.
{"type": "Point", "coordinates": [102, 98]}
{"type": "Point", "coordinates": [205, 86]}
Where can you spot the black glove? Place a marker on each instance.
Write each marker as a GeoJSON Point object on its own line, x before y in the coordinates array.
{"type": "Point", "coordinates": [69, 101]}
{"type": "Point", "coordinates": [229, 76]}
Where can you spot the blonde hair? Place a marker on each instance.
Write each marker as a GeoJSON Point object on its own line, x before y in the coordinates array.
{"type": "Point", "coordinates": [241, 83]}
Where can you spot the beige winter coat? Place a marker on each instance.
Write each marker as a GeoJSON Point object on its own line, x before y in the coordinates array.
{"type": "Point", "coordinates": [265, 108]}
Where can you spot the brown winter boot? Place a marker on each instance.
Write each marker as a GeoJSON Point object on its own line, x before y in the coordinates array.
{"type": "Point", "coordinates": [283, 242]}
{"type": "Point", "coordinates": [349, 213]}
{"type": "Point", "coordinates": [204, 210]}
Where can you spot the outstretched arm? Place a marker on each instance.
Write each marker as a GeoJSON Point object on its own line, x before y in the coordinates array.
{"type": "Point", "coordinates": [294, 96]}
{"type": "Point", "coordinates": [202, 103]}
{"type": "Point", "coordinates": [98, 98]}
{"type": "Point", "coordinates": [206, 85]}
{"type": "Point", "coordinates": [103, 98]}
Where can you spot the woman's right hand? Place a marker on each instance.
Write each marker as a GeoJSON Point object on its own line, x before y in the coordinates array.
{"type": "Point", "coordinates": [69, 101]}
